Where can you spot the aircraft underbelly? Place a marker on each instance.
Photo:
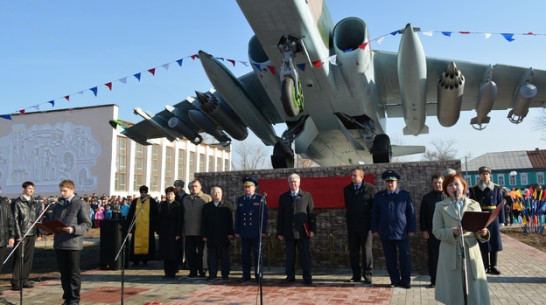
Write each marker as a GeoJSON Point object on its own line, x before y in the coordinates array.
{"type": "Point", "coordinates": [330, 148]}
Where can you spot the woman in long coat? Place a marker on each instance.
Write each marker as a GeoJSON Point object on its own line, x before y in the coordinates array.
{"type": "Point", "coordinates": [170, 232]}
{"type": "Point", "coordinates": [445, 226]}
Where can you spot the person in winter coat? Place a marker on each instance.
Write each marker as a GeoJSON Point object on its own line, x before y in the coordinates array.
{"type": "Point", "coordinates": [170, 232]}
{"type": "Point", "coordinates": [445, 226]}
{"type": "Point", "coordinates": [217, 230]}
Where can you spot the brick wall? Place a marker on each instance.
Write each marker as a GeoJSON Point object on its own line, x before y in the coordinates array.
{"type": "Point", "coordinates": [328, 247]}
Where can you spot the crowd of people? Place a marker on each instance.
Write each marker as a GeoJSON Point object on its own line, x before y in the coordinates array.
{"type": "Point", "coordinates": [186, 223]}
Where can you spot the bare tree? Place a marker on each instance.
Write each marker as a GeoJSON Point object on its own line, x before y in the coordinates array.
{"type": "Point", "coordinates": [248, 156]}
{"type": "Point", "coordinates": [540, 122]}
{"type": "Point", "coordinates": [441, 150]}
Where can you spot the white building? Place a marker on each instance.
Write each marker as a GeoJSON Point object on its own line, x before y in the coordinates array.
{"type": "Point", "coordinates": [79, 144]}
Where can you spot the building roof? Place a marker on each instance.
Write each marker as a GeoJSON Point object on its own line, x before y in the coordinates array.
{"type": "Point", "coordinates": [537, 157]}
{"type": "Point", "coordinates": [509, 160]}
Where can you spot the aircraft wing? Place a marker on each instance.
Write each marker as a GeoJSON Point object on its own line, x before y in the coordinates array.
{"type": "Point", "coordinates": [507, 79]}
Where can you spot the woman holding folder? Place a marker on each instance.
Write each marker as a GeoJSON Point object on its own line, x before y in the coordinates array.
{"type": "Point", "coordinates": [445, 226]}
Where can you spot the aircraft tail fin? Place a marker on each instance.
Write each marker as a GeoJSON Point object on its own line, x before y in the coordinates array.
{"type": "Point", "coordinates": [403, 150]}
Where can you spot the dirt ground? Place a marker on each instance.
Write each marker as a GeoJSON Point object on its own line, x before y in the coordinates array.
{"type": "Point", "coordinates": [535, 240]}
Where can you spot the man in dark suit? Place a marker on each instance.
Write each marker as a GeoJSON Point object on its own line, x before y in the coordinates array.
{"type": "Point", "coordinates": [358, 206]}
{"type": "Point", "coordinates": [426, 212]}
{"type": "Point", "coordinates": [393, 221]}
{"type": "Point", "coordinates": [296, 224]}
{"type": "Point", "coordinates": [217, 230]}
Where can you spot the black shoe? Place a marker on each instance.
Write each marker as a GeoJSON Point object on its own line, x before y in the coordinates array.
{"type": "Point", "coordinates": [202, 274]}
{"type": "Point", "coordinates": [308, 283]}
{"type": "Point", "coordinates": [225, 278]}
{"type": "Point", "coordinates": [405, 286]}
{"type": "Point", "coordinates": [354, 280]}
{"type": "Point", "coordinates": [28, 284]}
{"type": "Point", "coordinates": [192, 275]}
{"type": "Point", "coordinates": [367, 279]}
{"type": "Point", "coordinates": [288, 280]}
{"type": "Point", "coordinates": [494, 271]}
{"type": "Point", "coordinates": [15, 288]}
{"type": "Point", "coordinates": [432, 286]}
{"type": "Point", "coordinates": [243, 279]}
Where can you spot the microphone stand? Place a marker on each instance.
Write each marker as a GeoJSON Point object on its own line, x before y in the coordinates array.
{"type": "Point", "coordinates": [22, 243]}
{"type": "Point", "coordinates": [260, 248]}
{"type": "Point", "coordinates": [464, 271]}
{"type": "Point", "coordinates": [122, 249]}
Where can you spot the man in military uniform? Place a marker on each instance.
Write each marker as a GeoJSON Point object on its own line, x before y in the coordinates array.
{"type": "Point", "coordinates": [489, 195]}
{"type": "Point", "coordinates": [393, 221]}
{"type": "Point", "coordinates": [247, 225]}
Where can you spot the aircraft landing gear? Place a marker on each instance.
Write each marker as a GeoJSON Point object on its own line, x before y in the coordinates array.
{"type": "Point", "coordinates": [291, 89]}
{"type": "Point", "coordinates": [281, 158]}
{"type": "Point", "coordinates": [291, 97]}
{"type": "Point", "coordinates": [283, 154]}
{"type": "Point", "coordinates": [381, 151]}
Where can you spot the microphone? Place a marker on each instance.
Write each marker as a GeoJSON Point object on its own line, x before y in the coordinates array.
{"type": "Point", "coordinates": [457, 195]}
{"type": "Point", "coordinates": [264, 195]}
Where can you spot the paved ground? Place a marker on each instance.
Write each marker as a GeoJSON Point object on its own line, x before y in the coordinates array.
{"type": "Point", "coordinates": [523, 281]}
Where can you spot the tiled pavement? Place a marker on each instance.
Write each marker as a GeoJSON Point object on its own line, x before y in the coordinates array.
{"type": "Point", "coordinates": [523, 281]}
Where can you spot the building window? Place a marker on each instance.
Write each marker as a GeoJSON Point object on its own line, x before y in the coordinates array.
{"type": "Point", "coordinates": [468, 180]}
{"type": "Point", "coordinates": [500, 179]}
{"type": "Point", "coordinates": [155, 168]}
{"type": "Point", "coordinates": [226, 165]}
{"type": "Point", "coordinates": [211, 164]}
{"type": "Point", "coordinates": [477, 179]}
{"type": "Point", "coordinates": [181, 164]}
{"type": "Point", "coordinates": [513, 180]}
{"type": "Point", "coordinates": [540, 178]}
{"type": "Point", "coordinates": [140, 160]}
{"type": "Point", "coordinates": [524, 180]}
{"type": "Point", "coordinates": [201, 163]}
{"type": "Point", "coordinates": [169, 166]}
{"type": "Point", "coordinates": [192, 165]}
{"type": "Point", "coordinates": [121, 164]}
{"type": "Point", "coordinates": [219, 164]}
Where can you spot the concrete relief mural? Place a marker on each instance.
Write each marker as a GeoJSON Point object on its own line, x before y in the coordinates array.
{"type": "Point", "coordinates": [46, 154]}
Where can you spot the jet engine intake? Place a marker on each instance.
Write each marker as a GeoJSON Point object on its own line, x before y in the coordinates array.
{"type": "Point", "coordinates": [450, 95]}
{"type": "Point", "coordinates": [349, 35]}
{"type": "Point", "coordinates": [522, 101]}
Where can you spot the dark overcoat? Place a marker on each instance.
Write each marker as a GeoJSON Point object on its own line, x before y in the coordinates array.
{"type": "Point", "coordinates": [489, 200]}
{"type": "Point", "coordinates": [393, 215]}
{"type": "Point", "coordinates": [170, 226]}
{"type": "Point", "coordinates": [217, 223]}
{"type": "Point", "coordinates": [293, 215]}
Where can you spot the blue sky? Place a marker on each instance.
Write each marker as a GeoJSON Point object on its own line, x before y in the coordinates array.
{"type": "Point", "coordinates": [57, 48]}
